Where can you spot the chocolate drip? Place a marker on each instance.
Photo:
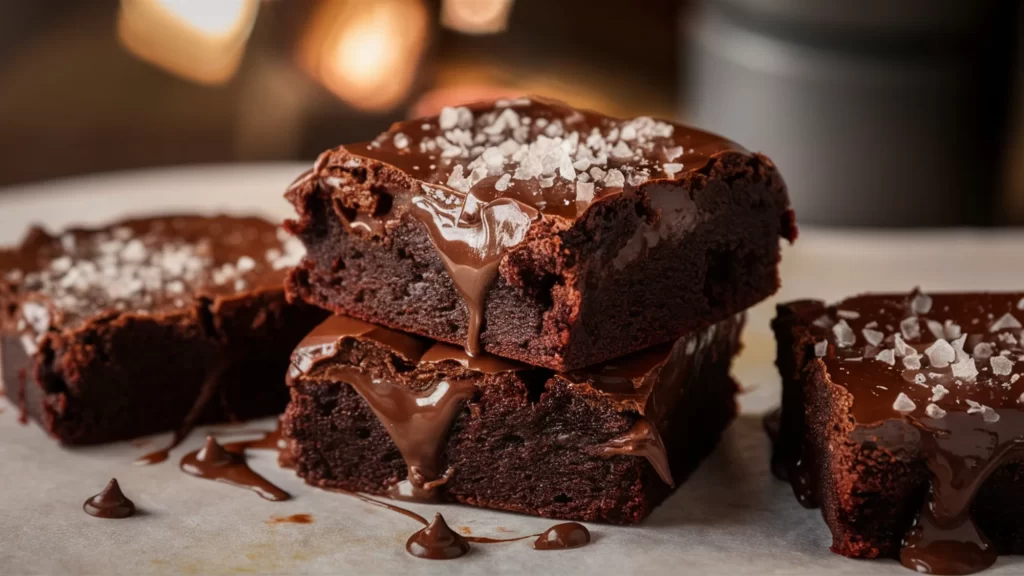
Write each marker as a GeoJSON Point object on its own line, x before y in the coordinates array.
{"type": "Point", "coordinates": [214, 462]}
{"type": "Point", "coordinates": [293, 519]}
{"type": "Point", "coordinates": [563, 537]}
{"type": "Point", "coordinates": [206, 393]}
{"type": "Point", "coordinates": [471, 240]}
{"type": "Point", "coordinates": [643, 440]}
{"type": "Point", "coordinates": [938, 377]}
{"type": "Point", "coordinates": [417, 422]}
{"type": "Point", "coordinates": [437, 541]}
{"type": "Point", "coordinates": [110, 503]}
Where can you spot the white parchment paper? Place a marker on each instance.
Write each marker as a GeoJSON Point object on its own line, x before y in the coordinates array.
{"type": "Point", "coordinates": [730, 517]}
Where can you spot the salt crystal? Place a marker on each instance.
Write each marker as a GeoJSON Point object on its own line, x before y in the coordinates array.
{"type": "Point", "coordinates": [902, 348]}
{"type": "Point", "coordinates": [671, 169]}
{"type": "Point", "coordinates": [874, 337]}
{"type": "Point", "coordinates": [940, 354]}
{"type": "Point", "coordinates": [614, 179]}
{"type": "Point", "coordinates": [848, 314]}
{"type": "Point", "coordinates": [585, 192]}
{"type": "Point", "coordinates": [935, 327]}
{"type": "Point", "coordinates": [920, 379]}
{"type": "Point", "coordinates": [939, 392]}
{"type": "Point", "coordinates": [502, 184]}
{"type": "Point", "coordinates": [933, 411]}
{"type": "Point", "coordinates": [61, 265]}
{"type": "Point", "coordinates": [621, 151]}
{"type": "Point", "coordinates": [844, 334]}
{"type": "Point", "coordinates": [965, 369]}
{"type": "Point", "coordinates": [401, 141]}
{"type": "Point", "coordinates": [821, 349]}
{"type": "Point", "coordinates": [1020, 305]}
{"type": "Point", "coordinates": [903, 404]}
{"type": "Point", "coordinates": [912, 362]}
{"type": "Point", "coordinates": [921, 303]}
{"type": "Point", "coordinates": [987, 413]}
{"type": "Point", "coordinates": [910, 328]}
{"type": "Point", "coordinates": [134, 251]}
{"type": "Point", "coordinates": [958, 348]}
{"type": "Point", "coordinates": [597, 174]}
{"type": "Point", "coordinates": [983, 351]}
{"type": "Point", "coordinates": [677, 151]}
{"type": "Point", "coordinates": [1001, 366]}
{"type": "Point", "coordinates": [1008, 339]}
{"type": "Point", "coordinates": [886, 356]}
{"type": "Point", "coordinates": [952, 330]}
{"type": "Point", "coordinates": [1005, 321]}
{"type": "Point", "coordinates": [457, 181]}
{"type": "Point", "coordinates": [448, 119]}
{"type": "Point", "coordinates": [245, 264]}
{"type": "Point", "coordinates": [628, 132]}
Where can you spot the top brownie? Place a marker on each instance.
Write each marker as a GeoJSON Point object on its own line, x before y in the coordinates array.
{"type": "Point", "coordinates": [530, 230]}
{"type": "Point", "coordinates": [121, 331]}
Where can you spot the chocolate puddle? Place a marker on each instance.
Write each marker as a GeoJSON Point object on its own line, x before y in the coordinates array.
{"type": "Point", "coordinates": [110, 503]}
{"type": "Point", "coordinates": [563, 537]}
{"type": "Point", "coordinates": [436, 541]}
{"type": "Point", "coordinates": [214, 462]}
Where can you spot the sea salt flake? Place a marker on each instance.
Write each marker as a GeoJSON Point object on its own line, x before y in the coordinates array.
{"type": "Point", "coordinates": [952, 330]}
{"type": "Point", "coordinates": [614, 179]}
{"type": "Point", "coordinates": [1008, 339]}
{"type": "Point", "coordinates": [677, 151]}
{"type": "Point", "coordinates": [502, 184]}
{"type": "Point", "coordinates": [940, 354]}
{"type": "Point", "coordinates": [823, 321]}
{"type": "Point", "coordinates": [983, 351]}
{"type": "Point", "coordinates": [844, 334]}
{"type": "Point", "coordinates": [672, 169]}
{"type": "Point", "coordinates": [874, 337]}
{"type": "Point", "coordinates": [1006, 321]}
{"type": "Point", "coordinates": [903, 404]}
{"type": "Point", "coordinates": [1020, 305]}
{"type": "Point", "coordinates": [910, 328]}
{"type": "Point", "coordinates": [1001, 366]}
{"type": "Point", "coordinates": [912, 362]}
{"type": "Point", "coordinates": [848, 314]}
{"type": "Point", "coordinates": [401, 141]}
{"type": "Point", "coordinates": [965, 369]}
{"type": "Point", "coordinates": [921, 303]}
{"type": "Point", "coordinates": [621, 151]}
{"type": "Point", "coordinates": [902, 348]}
{"type": "Point", "coordinates": [933, 411]}
{"type": "Point", "coordinates": [939, 392]}
{"type": "Point", "coordinates": [585, 192]}
{"type": "Point", "coordinates": [887, 356]}
{"type": "Point", "coordinates": [987, 413]}
{"type": "Point", "coordinates": [920, 379]}
{"type": "Point", "coordinates": [935, 327]}
{"type": "Point", "coordinates": [821, 349]}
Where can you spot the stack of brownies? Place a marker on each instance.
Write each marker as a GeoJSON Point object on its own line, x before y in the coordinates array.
{"type": "Point", "coordinates": [536, 307]}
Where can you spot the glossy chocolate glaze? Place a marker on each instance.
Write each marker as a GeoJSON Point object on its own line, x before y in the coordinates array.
{"type": "Point", "coordinates": [214, 462]}
{"type": "Point", "coordinates": [480, 177]}
{"type": "Point", "coordinates": [149, 265]}
{"type": "Point", "coordinates": [563, 537]}
{"type": "Point", "coordinates": [937, 377]}
{"type": "Point", "coordinates": [436, 541]}
{"type": "Point", "coordinates": [418, 421]}
{"type": "Point", "coordinates": [110, 503]}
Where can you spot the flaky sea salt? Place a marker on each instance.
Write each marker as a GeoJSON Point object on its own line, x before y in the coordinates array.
{"type": "Point", "coordinates": [987, 413]}
{"type": "Point", "coordinates": [920, 379]}
{"type": "Point", "coordinates": [910, 328]}
{"type": "Point", "coordinates": [940, 354]}
{"type": "Point", "coordinates": [921, 303]}
{"type": "Point", "coordinates": [939, 392]}
{"type": "Point", "coordinates": [903, 404]}
{"type": "Point", "coordinates": [873, 337]}
{"type": "Point", "coordinates": [848, 314]}
{"type": "Point", "coordinates": [1005, 322]}
{"type": "Point", "coordinates": [983, 351]}
{"type": "Point", "coordinates": [965, 369]}
{"type": "Point", "coordinates": [912, 362]}
{"type": "Point", "coordinates": [844, 334]}
{"type": "Point", "coordinates": [821, 349]}
{"type": "Point", "coordinates": [933, 411]}
{"type": "Point", "coordinates": [935, 327]}
{"type": "Point", "coordinates": [952, 330]}
{"type": "Point", "coordinates": [887, 356]}
{"type": "Point", "coordinates": [1001, 366]}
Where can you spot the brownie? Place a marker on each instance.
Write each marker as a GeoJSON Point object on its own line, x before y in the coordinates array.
{"type": "Point", "coordinates": [561, 238]}
{"type": "Point", "coordinates": [379, 411]}
{"type": "Point", "coordinates": [127, 330]}
{"type": "Point", "coordinates": [902, 419]}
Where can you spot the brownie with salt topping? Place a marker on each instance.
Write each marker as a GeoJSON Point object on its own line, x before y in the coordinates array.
{"type": "Point", "coordinates": [534, 231]}
{"type": "Point", "coordinates": [380, 411]}
{"type": "Point", "coordinates": [121, 331]}
{"type": "Point", "coordinates": [902, 418]}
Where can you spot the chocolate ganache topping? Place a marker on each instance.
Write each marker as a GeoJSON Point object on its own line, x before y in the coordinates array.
{"type": "Point", "coordinates": [937, 377]}
{"type": "Point", "coordinates": [418, 420]}
{"type": "Point", "coordinates": [478, 177]}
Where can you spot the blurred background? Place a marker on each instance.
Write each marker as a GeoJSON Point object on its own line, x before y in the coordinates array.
{"type": "Point", "coordinates": [882, 113]}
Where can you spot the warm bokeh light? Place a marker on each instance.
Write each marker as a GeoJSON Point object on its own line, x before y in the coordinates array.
{"type": "Point", "coordinates": [476, 16]}
{"type": "Point", "coordinates": [366, 51]}
{"type": "Point", "coordinates": [200, 40]}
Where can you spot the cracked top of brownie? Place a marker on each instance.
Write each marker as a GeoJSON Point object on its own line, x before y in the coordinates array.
{"type": "Point", "coordinates": [141, 266]}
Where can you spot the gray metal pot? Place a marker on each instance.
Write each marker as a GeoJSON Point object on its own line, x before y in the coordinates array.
{"type": "Point", "coordinates": [877, 112]}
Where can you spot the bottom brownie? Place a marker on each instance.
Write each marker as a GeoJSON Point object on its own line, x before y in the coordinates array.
{"type": "Point", "coordinates": [901, 419]}
{"type": "Point", "coordinates": [601, 444]}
